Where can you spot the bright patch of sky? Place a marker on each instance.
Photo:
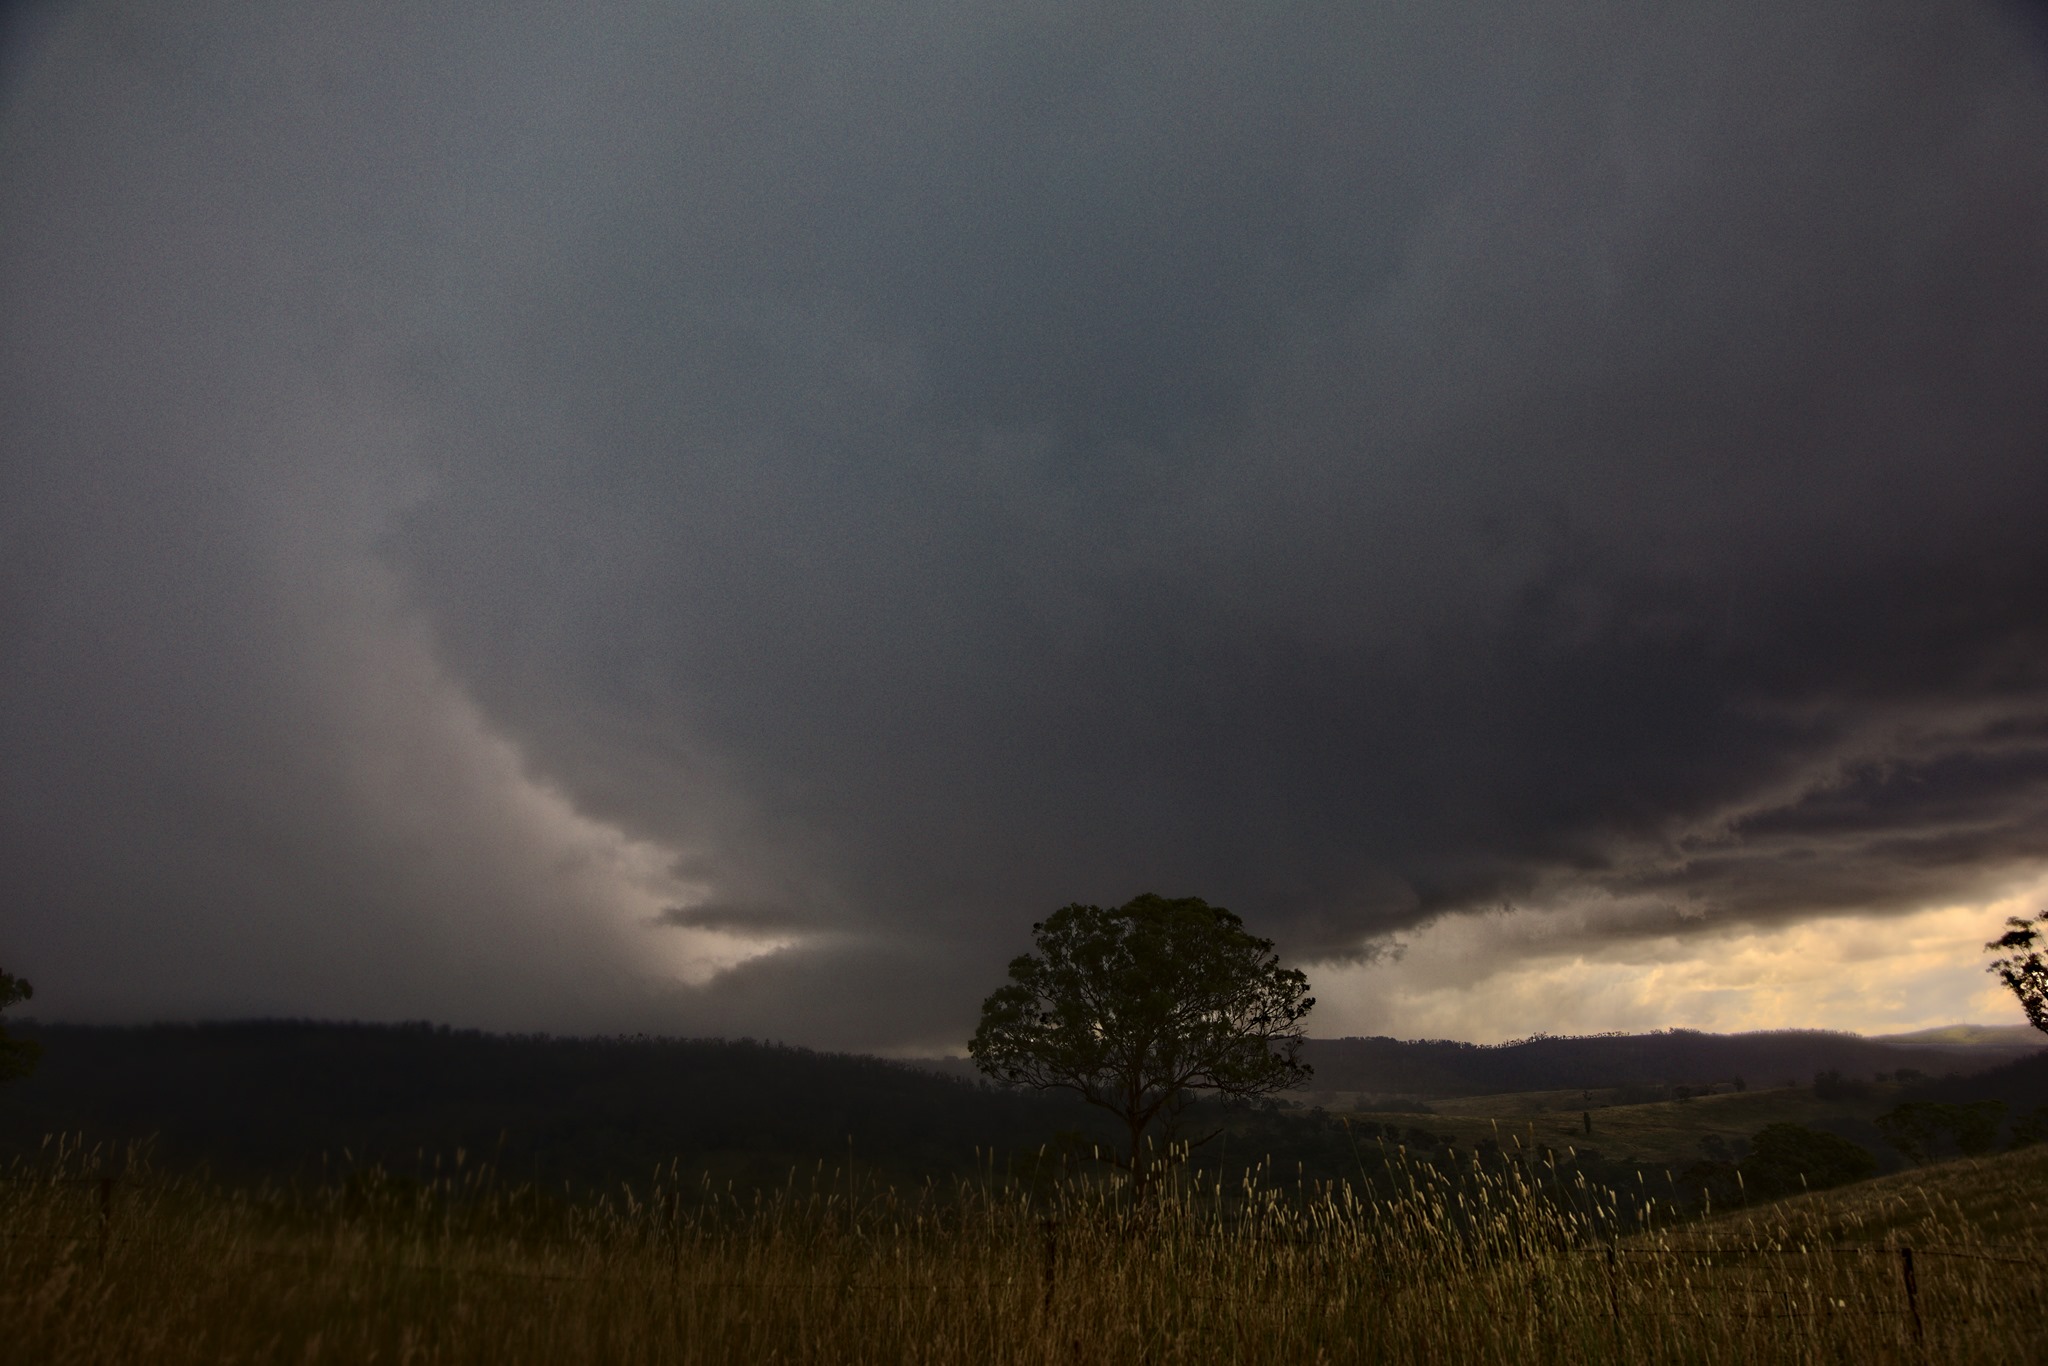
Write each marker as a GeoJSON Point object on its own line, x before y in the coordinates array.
{"type": "Point", "coordinates": [1868, 974]}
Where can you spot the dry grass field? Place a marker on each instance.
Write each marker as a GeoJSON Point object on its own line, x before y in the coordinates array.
{"type": "Point", "coordinates": [100, 1265]}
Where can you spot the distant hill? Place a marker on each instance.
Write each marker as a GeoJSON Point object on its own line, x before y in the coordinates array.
{"type": "Point", "coordinates": [1429, 1068]}
{"type": "Point", "coordinates": [2024, 1038]}
{"type": "Point", "coordinates": [271, 1097]}
{"type": "Point", "coordinates": [2021, 1084]}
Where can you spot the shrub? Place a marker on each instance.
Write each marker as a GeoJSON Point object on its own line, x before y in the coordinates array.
{"type": "Point", "coordinates": [1833, 1085]}
{"type": "Point", "coordinates": [1924, 1130]}
{"type": "Point", "coordinates": [1786, 1158]}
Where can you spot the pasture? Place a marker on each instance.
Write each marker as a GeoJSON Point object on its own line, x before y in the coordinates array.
{"type": "Point", "coordinates": [107, 1261]}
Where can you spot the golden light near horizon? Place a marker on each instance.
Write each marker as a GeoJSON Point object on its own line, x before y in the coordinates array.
{"type": "Point", "coordinates": [1869, 974]}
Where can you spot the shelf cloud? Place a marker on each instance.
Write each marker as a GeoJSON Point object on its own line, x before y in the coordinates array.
{"type": "Point", "coordinates": [713, 517]}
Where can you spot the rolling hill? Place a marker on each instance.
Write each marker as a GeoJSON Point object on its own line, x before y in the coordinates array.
{"type": "Point", "coordinates": [271, 1097]}
{"type": "Point", "coordinates": [1365, 1070]}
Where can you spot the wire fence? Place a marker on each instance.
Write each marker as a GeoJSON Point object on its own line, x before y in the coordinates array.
{"type": "Point", "coordinates": [1631, 1269]}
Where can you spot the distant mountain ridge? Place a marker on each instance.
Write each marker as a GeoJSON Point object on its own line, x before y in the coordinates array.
{"type": "Point", "coordinates": [1427, 1068]}
{"type": "Point", "coordinates": [2023, 1037]}
{"type": "Point", "coordinates": [273, 1096]}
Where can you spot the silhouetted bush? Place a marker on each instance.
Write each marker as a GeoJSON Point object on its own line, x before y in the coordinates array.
{"type": "Point", "coordinates": [1924, 1130]}
{"type": "Point", "coordinates": [1787, 1158]}
{"type": "Point", "coordinates": [1833, 1085]}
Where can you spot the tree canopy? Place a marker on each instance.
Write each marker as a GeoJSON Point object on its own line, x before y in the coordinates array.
{"type": "Point", "coordinates": [1785, 1159]}
{"type": "Point", "coordinates": [1139, 1008]}
{"type": "Point", "coordinates": [17, 1056]}
{"type": "Point", "coordinates": [2022, 968]}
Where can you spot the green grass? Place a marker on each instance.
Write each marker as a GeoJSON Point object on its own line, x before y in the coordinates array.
{"type": "Point", "coordinates": [1478, 1265]}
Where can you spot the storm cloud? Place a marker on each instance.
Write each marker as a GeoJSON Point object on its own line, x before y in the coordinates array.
{"type": "Point", "coordinates": [712, 517]}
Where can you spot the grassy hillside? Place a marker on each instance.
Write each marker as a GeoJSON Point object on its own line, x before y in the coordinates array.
{"type": "Point", "coordinates": [1999, 1200]}
{"type": "Point", "coordinates": [1360, 1072]}
{"type": "Point", "coordinates": [1483, 1230]}
{"type": "Point", "coordinates": [273, 1099]}
{"type": "Point", "coordinates": [1667, 1133]}
{"type": "Point", "coordinates": [1473, 1268]}
{"type": "Point", "coordinates": [1968, 1036]}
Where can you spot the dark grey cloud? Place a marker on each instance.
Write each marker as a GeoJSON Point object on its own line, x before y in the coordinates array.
{"type": "Point", "coordinates": [508, 506]}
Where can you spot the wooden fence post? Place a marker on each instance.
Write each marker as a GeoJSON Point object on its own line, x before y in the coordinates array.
{"type": "Point", "coordinates": [1912, 1290]}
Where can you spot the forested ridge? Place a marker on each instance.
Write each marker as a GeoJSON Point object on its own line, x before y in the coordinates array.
{"type": "Point", "coordinates": [1443, 1067]}
{"type": "Point", "coordinates": [283, 1098]}
{"type": "Point", "coordinates": [278, 1097]}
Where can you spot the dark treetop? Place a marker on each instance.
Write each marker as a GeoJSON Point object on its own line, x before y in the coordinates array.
{"type": "Point", "coordinates": [17, 1056]}
{"type": "Point", "coordinates": [2022, 967]}
{"type": "Point", "coordinates": [1140, 1007]}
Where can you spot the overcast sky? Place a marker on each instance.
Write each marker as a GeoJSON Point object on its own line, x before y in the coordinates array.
{"type": "Point", "coordinates": [712, 517]}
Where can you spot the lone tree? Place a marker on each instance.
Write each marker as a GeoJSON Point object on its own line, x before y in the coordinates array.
{"type": "Point", "coordinates": [1138, 1008]}
{"type": "Point", "coordinates": [17, 1056]}
{"type": "Point", "coordinates": [2022, 968]}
